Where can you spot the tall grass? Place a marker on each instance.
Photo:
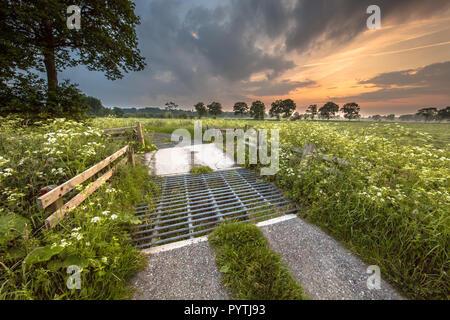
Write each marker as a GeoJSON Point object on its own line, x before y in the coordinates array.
{"type": "Point", "coordinates": [94, 237]}
{"type": "Point", "coordinates": [389, 205]}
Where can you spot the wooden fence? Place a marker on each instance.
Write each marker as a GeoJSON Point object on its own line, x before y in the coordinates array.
{"type": "Point", "coordinates": [51, 196]}
{"type": "Point", "coordinates": [138, 128]}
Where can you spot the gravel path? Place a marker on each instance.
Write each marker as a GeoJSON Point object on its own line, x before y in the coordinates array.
{"type": "Point", "coordinates": [184, 273]}
{"type": "Point", "coordinates": [324, 268]}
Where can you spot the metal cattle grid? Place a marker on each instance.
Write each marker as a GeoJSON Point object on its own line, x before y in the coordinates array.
{"type": "Point", "coordinates": [189, 206]}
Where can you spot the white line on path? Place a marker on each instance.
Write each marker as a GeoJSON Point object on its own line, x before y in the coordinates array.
{"type": "Point", "coordinates": [183, 243]}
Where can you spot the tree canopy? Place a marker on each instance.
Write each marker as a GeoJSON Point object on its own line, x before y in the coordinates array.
{"type": "Point", "coordinates": [240, 108]}
{"type": "Point", "coordinates": [282, 107]}
{"type": "Point", "coordinates": [312, 109]}
{"type": "Point", "coordinates": [444, 113]}
{"type": "Point", "coordinates": [428, 113]}
{"type": "Point", "coordinates": [214, 108]}
{"type": "Point", "coordinates": [329, 110]}
{"type": "Point", "coordinates": [170, 106]}
{"type": "Point", "coordinates": [106, 41]}
{"type": "Point", "coordinates": [276, 108]}
{"type": "Point", "coordinates": [35, 37]}
{"type": "Point", "coordinates": [201, 109]}
{"type": "Point", "coordinates": [257, 110]}
{"type": "Point", "coordinates": [351, 110]}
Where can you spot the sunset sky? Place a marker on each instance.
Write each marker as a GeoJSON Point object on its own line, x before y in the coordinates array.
{"type": "Point", "coordinates": [311, 51]}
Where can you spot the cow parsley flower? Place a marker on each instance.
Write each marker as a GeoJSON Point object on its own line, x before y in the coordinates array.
{"type": "Point", "coordinates": [95, 219]}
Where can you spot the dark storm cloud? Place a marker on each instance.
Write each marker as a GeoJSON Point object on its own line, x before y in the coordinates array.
{"type": "Point", "coordinates": [277, 88]}
{"type": "Point", "coordinates": [431, 79]}
{"type": "Point", "coordinates": [210, 64]}
{"type": "Point", "coordinates": [204, 50]}
{"type": "Point", "coordinates": [221, 44]}
{"type": "Point", "coordinates": [339, 21]}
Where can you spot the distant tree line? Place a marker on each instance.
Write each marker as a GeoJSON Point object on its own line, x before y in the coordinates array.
{"type": "Point", "coordinates": [352, 110]}
{"type": "Point", "coordinates": [328, 111]}
{"type": "Point", "coordinates": [432, 113]}
{"type": "Point", "coordinates": [377, 117]}
{"type": "Point", "coordinates": [423, 114]}
{"type": "Point", "coordinates": [94, 107]}
{"type": "Point", "coordinates": [213, 109]}
{"type": "Point", "coordinates": [257, 110]}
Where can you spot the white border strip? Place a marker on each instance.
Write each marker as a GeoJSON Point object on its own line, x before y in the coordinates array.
{"type": "Point", "coordinates": [174, 245]}
{"type": "Point", "coordinates": [276, 220]}
{"type": "Point", "coordinates": [184, 243]}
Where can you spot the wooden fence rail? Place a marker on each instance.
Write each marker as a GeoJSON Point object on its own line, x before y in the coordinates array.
{"type": "Point", "coordinates": [138, 128]}
{"type": "Point", "coordinates": [52, 200]}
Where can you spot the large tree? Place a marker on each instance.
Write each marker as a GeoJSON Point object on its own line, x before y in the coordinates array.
{"type": "Point", "coordinates": [282, 107]}
{"type": "Point", "coordinates": [214, 108]}
{"type": "Point", "coordinates": [35, 36]}
{"type": "Point", "coordinates": [288, 106]}
{"type": "Point", "coordinates": [351, 110]}
{"type": "Point", "coordinates": [276, 108]}
{"type": "Point", "coordinates": [312, 109]}
{"type": "Point", "coordinates": [329, 110]}
{"type": "Point", "coordinates": [201, 109]}
{"type": "Point", "coordinates": [257, 110]}
{"type": "Point", "coordinates": [240, 108]}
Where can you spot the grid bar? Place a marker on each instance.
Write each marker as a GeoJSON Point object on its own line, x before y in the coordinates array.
{"type": "Point", "coordinates": [189, 206]}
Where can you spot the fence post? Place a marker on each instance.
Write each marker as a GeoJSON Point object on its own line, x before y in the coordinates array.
{"type": "Point", "coordinates": [131, 159]}
{"type": "Point", "coordinates": [55, 205]}
{"type": "Point", "coordinates": [140, 134]}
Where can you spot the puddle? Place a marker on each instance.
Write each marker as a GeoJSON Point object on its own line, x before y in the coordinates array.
{"type": "Point", "coordinates": [179, 160]}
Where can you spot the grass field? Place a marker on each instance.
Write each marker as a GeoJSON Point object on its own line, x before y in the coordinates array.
{"type": "Point", "coordinates": [390, 205]}
{"type": "Point", "coordinates": [414, 133]}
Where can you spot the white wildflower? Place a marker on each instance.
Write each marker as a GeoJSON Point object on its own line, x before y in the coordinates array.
{"type": "Point", "coordinates": [95, 219]}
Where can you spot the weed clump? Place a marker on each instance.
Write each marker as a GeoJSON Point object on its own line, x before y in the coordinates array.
{"type": "Point", "coordinates": [200, 170]}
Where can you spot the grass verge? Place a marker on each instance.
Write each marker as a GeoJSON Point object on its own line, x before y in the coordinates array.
{"type": "Point", "coordinates": [250, 269]}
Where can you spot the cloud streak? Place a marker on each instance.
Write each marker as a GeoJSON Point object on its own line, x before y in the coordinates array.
{"type": "Point", "coordinates": [429, 80]}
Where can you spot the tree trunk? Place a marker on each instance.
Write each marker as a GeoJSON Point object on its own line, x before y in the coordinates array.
{"type": "Point", "coordinates": [49, 58]}
{"type": "Point", "coordinates": [50, 66]}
